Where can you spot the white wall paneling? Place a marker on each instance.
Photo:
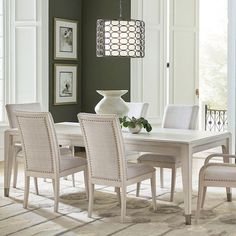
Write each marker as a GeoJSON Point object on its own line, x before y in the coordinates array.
{"type": "Point", "coordinates": [148, 83]}
{"type": "Point", "coordinates": [26, 10]}
{"type": "Point", "coordinates": [25, 67]}
{"type": "Point", "coordinates": [183, 51]}
{"type": "Point", "coordinates": [29, 51]}
{"type": "Point", "coordinates": [26, 57]}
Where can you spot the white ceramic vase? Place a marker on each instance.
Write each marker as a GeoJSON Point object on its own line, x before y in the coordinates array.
{"type": "Point", "coordinates": [112, 103]}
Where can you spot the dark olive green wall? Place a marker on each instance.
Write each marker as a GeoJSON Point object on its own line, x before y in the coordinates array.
{"type": "Point", "coordinates": [101, 73]}
{"type": "Point", "coordinates": [66, 9]}
{"type": "Point", "coordinates": [93, 73]}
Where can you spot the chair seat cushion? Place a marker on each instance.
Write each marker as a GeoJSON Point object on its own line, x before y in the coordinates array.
{"type": "Point", "coordinates": [135, 170]}
{"type": "Point", "coordinates": [70, 162]}
{"type": "Point", "coordinates": [152, 157]}
{"type": "Point", "coordinates": [216, 172]}
{"type": "Point", "coordinates": [65, 151]}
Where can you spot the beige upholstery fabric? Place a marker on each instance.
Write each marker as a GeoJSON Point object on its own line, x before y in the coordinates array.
{"type": "Point", "coordinates": [137, 109]}
{"type": "Point", "coordinates": [152, 157]}
{"type": "Point", "coordinates": [175, 117]}
{"type": "Point", "coordinates": [180, 117]}
{"type": "Point", "coordinates": [70, 162]}
{"type": "Point", "coordinates": [11, 108]}
{"type": "Point", "coordinates": [215, 174]}
{"type": "Point", "coordinates": [42, 152]}
{"type": "Point", "coordinates": [135, 170]}
{"type": "Point", "coordinates": [106, 158]}
{"type": "Point", "coordinates": [30, 107]}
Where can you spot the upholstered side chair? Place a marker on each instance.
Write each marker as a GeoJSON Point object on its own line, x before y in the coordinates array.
{"type": "Point", "coordinates": [18, 155]}
{"type": "Point", "coordinates": [215, 174]}
{"type": "Point", "coordinates": [42, 152]}
{"type": "Point", "coordinates": [106, 158]}
{"type": "Point", "coordinates": [137, 109]}
{"type": "Point", "coordinates": [175, 117]}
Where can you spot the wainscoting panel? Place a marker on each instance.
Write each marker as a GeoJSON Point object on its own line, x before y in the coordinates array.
{"type": "Point", "coordinates": [25, 10]}
{"type": "Point", "coordinates": [25, 38]}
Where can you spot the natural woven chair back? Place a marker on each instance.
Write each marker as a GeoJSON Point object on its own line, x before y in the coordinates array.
{"type": "Point", "coordinates": [11, 108]}
{"type": "Point", "coordinates": [39, 142]}
{"type": "Point", "coordinates": [104, 146]}
{"type": "Point", "coordinates": [180, 117]}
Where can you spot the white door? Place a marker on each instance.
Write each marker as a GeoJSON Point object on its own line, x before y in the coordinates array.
{"type": "Point", "coordinates": [183, 41]}
{"type": "Point", "coordinates": [149, 77]}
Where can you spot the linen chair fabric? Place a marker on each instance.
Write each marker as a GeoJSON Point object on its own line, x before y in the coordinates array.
{"type": "Point", "coordinates": [215, 175]}
{"type": "Point", "coordinates": [106, 158]}
{"type": "Point", "coordinates": [42, 153]}
{"type": "Point", "coordinates": [137, 109]}
{"type": "Point", "coordinates": [175, 117]}
{"type": "Point", "coordinates": [18, 155]}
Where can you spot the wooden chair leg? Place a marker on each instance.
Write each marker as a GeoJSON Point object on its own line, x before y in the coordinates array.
{"type": "Point", "coordinates": [153, 187]}
{"type": "Point", "coordinates": [26, 191]}
{"type": "Point", "coordinates": [204, 196]}
{"type": "Point", "coordinates": [91, 196]}
{"type": "Point", "coordinates": [56, 193]}
{"type": "Point", "coordinates": [199, 199]}
{"type": "Point", "coordinates": [173, 181]}
{"type": "Point", "coordinates": [36, 186]}
{"type": "Point", "coordinates": [138, 189]}
{"type": "Point", "coordinates": [123, 204]}
{"type": "Point", "coordinates": [15, 172]}
{"type": "Point", "coordinates": [162, 177]}
{"type": "Point", "coordinates": [117, 189]}
{"type": "Point", "coordinates": [86, 183]}
{"type": "Point", "coordinates": [73, 180]}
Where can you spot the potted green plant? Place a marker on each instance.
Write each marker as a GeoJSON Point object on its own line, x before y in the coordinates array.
{"type": "Point", "coordinates": [135, 124]}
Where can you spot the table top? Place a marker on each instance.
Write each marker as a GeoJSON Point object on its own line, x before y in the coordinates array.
{"type": "Point", "coordinates": [72, 129]}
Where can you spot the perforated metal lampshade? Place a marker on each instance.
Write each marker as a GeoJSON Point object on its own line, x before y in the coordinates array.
{"type": "Point", "coordinates": [120, 38]}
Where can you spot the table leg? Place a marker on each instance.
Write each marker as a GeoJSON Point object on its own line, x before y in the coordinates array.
{"type": "Point", "coordinates": [186, 155]}
{"type": "Point", "coordinates": [8, 161]}
{"type": "Point", "coordinates": [227, 149]}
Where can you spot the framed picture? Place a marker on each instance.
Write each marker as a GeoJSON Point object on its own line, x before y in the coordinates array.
{"type": "Point", "coordinates": [65, 80]}
{"type": "Point", "coordinates": [65, 39]}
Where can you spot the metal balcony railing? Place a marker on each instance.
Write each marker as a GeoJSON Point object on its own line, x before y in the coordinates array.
{"type": "Point", "coordinates": [215, 120]}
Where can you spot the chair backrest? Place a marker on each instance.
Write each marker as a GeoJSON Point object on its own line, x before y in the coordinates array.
{"type": "Point", "coordinates": [104, 147]}
{"type": "Point", "coordinates": [11, 108]}
{"type": "Point", "coordinates": [180, 117]}
{"type": "Point", "coordinates": [137, 109]}
{"type": "Point", "coordinates": [39, 141]}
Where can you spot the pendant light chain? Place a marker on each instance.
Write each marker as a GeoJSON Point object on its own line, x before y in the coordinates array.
{"type": "Point", "coordinates": [121, 9]}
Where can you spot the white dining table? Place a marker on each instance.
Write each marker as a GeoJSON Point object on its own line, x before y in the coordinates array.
{"type": "Point", "coordinates": [183, 143]}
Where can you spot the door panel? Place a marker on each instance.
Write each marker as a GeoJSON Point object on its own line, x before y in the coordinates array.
{"type": "Point", "coordinates": [183, 31]}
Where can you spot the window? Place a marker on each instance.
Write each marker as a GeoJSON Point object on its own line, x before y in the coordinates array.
{"type": "Point", "coordinates": [2, 87]}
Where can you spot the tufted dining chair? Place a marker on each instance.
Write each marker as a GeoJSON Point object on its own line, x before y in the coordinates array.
{"type": "Point", "coordinates": [18, 155]}
{"type": "Point", "coordinates": [42, 153]}
{"type": "Point", "coordinates": [106, 158]}
{"type": "Point", "coordinates": [137, 109]}
{"type": "Point", "coordinates": [175, 117]}
{"type": "Point", "coordinates": [215, 174]}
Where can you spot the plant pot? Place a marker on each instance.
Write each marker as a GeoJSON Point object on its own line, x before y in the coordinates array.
{"type": "Point", "coordinates": [135, 130]}
{"type": "Point", "coordinates": [112, 103]}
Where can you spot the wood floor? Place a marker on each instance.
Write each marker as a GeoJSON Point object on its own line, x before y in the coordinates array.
{"type": "Point", "coordinates": [218, 218]}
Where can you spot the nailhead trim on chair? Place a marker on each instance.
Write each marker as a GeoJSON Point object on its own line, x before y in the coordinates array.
{"type": "Point", "coordinates": [88, 152]}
